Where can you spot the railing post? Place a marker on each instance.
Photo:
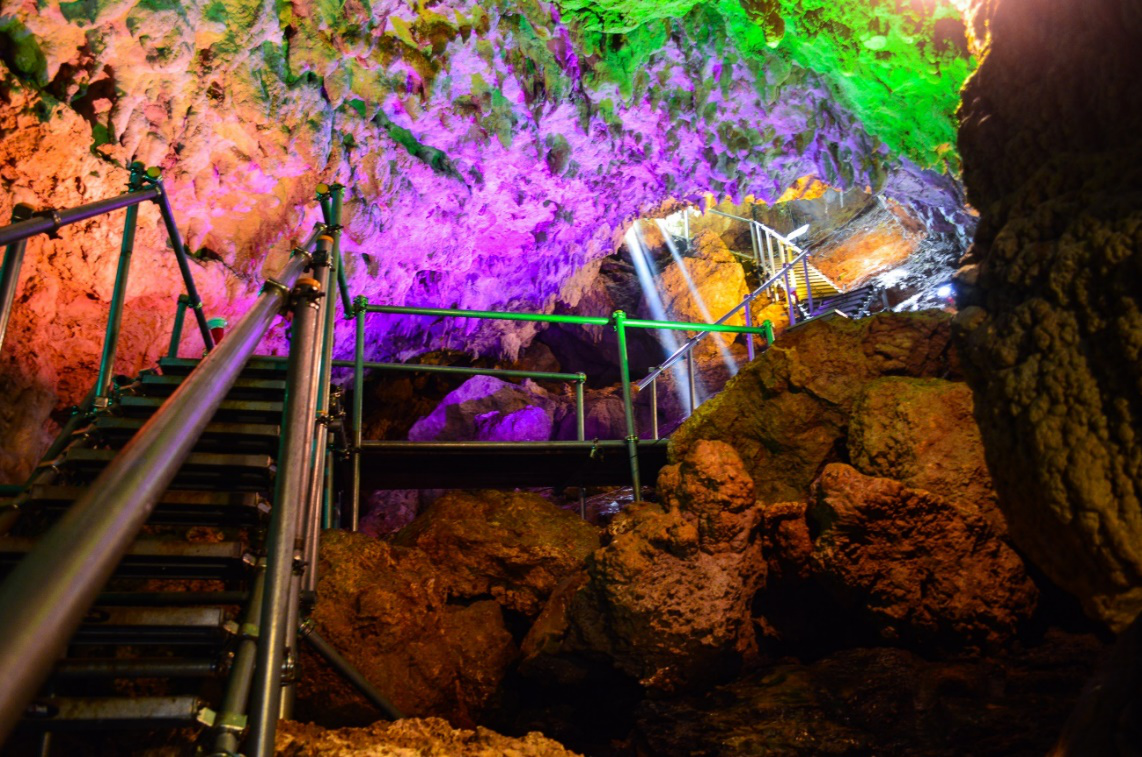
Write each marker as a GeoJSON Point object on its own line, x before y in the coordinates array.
{"type": "Point", "coordinates": [155, 176]}
{"type": "Point", "coordinates": [654, 408]}
{"type": "Point", "coordinates": [789, 297]}
{"type": "Point", "coordinates": [10, 274]}
{"type": "Point", "coordinates": [620, 318]}
{"type": "Point", "coordinates": [294, 463]}
{"type": "Point", "coordinates": [179, 321]}
{"type": "Point", "coordinates": [691, 384]}
{"type": "Point", "coordinates": [768, 326]}
{"type": "Point", "coordinates": [748, 325]}
{"type": "Point", "coordinates": [808, 284]}
{"type": "Point", "coordinates": [358, 406]}
{"type": "Point", "coordinates": [118, 294]}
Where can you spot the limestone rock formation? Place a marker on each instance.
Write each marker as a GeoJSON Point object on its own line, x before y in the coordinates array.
{"type": "Point", "coordinates": [787, 412]}
{"type": "Point", "coordinates": [486, 408]}
{"type": "Point", "coordinates": [386, 609]}
{"type": "Point", "coordinates": [921, 432]}
{"type": "Point", "coordinates": [667, 600]}
{"type": "Point", "coordinates": [913, 566]}
{"type": "Point", "coordinates": [490, 150]}
{"type": "Point", "coordinates": [1051, 329]}
{"type": "Point", "coordinates": [703, 287]}
{"type": "Point", "coordinates": [428, 736]}
{"type": "Point", "coordinates": [512, 547]}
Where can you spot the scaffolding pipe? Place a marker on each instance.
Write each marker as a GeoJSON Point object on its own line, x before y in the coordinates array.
{"type": "Point", "coordinates": [50, 221]}
{"type": "Point", "coordinates": [455, 370]}
{"type": "Point", "coordinates": [294, 463]}
{"type": "Point", "coordinates": [358, 401]}
{"type": "Point", "coordinates": [350, 673]}
{"type": "Point", "coordinates": [491, 314]}
{"type": "Point", "coordinates": [45, 597]}
{"type": "Point", "coordinates": [10, 274]}
{"type": "Point", "coordinates": [230, 720]}
{"type": "Point", "coordinates": [179, 320]}
{"type": "Point", "coordinates": [118, 294]}
{"type": "Point", "coordinates": [619, 318]}
{"type": "Point", "coordinates": [181, 257]}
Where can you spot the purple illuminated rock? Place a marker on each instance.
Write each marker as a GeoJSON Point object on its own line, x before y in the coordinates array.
{"type": "Point", "coordinates": [485, 408]}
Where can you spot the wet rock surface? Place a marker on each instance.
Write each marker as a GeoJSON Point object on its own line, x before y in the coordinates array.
{"type": "Point", "coordinates": [1051, 329]}
{"type": "Point", "coordinates": [881, 701]}
{"type": "Point", "coordinates": [429, 736]}
{"type": "Point", "coordinates": [512, 547]}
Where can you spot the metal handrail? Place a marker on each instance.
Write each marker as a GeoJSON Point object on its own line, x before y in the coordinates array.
{"type": "Point", "coordinates": [45, 597]}
{"type": "Point", "coordinates": [50, 221]}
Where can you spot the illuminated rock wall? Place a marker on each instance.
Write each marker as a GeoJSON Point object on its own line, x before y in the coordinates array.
{"type": "Point", "coordinates": [491, 149]}
{"type": "Point", "coordinates": [1053, 343]}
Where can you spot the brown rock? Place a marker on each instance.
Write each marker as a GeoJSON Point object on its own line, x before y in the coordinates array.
{"type": "Point", "coordinates": [1053, 340]}
{"type": "Point", "coordinates": [913, 566]}
{"type": "Point", "coordinates": [430, 736]}
{"type": "Point", "coordinates": [385, 608]}
{"type": "Point", "coordinates": [512, 547]}
{"type": "Point", "coordinates": [921, 432]}
{"type": "Point", "coordinates": [786, 412]}
{"type": "Point", "coordinates": [667, 600]}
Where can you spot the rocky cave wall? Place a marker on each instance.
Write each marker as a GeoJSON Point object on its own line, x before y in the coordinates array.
{"type": "Point", "coordinates": [1051, 326]}
{"type": "Point", "coordinates": [478, 141]}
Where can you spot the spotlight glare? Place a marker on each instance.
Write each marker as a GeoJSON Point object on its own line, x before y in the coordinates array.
{"type": "Point", "coordinates": [798, 232]}
{"type": "Point", "coordinates": [945, 290]}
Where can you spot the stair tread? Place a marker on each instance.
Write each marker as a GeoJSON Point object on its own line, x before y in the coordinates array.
{"type": "Point", "coordinates": [257, 366]}
{"type": "Point", "coordinates": [147, 548]}
{"type": "Point", "coordinates": [241, 408]}
{"type": "Point", "coordinates": [173, 617]}
{"type": "Point", "coordinates": [190, 498]}
{"type": "Point", "coordinates": [194, 460]}
{"type": "Point", "coordinates": [115, 712]}
{"type": "Point", "coordinates": [139, 667]}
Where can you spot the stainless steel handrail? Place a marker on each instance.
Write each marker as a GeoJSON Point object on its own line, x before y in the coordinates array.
{"type": "Point", "coordinates": [45, 597]}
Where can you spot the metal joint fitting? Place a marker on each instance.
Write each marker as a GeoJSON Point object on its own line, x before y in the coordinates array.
{"type": "Point", "coordinates": [271, 285]}
{"type": "Point", "coordinates": [289, 669]}
{"type": "Point", "coordinates": [360, 302]}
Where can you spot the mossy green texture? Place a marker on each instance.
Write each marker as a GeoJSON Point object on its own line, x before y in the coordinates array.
{"type": "Point", "coordinates": [898, 66]}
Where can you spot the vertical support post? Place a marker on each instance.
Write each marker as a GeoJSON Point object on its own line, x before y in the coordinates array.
{"type": "Point", "coordinates": [620, 318]}
{"type": "Point", "coordinates": [331, 203]}
{"type": "Point", "coordinates": [692, 385]}
{"type": "Point", "coordinates": [768, 326]}
{"type": "Point", "coordinates": [294, 462]}
{"type": "Point", "coordinates": [179, 321]}
{"type": "Point", "coordinates": [118, 293]}
{"type": "Point", "coordinates": [808, 287]}
{"type": "Point", "coordinates": [748, 324]}
{"type": "Point", "coordinates": [581, 434]}
{"type": "Point", "coordinates": [10, 274]}
{"type": "Point", "coordinates": [686, 225]}
{"type": "Point", "coordinates": [230, 722]}
{"type": "Point", "coordinates": [769, 253]}
{"type": "Point", "coordinates": [789, 295]}
{"type": "Point", "coordinates": [156, 177]}
{"type": "Point", "coordinates": [654, 408]}
{"type": "Point", "coordinates": [358, 408]}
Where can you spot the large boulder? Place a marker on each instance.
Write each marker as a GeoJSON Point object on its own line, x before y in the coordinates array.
{"type": "Point", "coordinates": [513, 547]}
{"type": "Point", "coordinates": [427, 736]}
{"type": "Point", "coordinates": [1051, 326]}
{"type": "Point", "coordinates": [913, 567]}
{"type": "Point", "coordinates": [386, 609]}
{"type": "Point", "coordinates": [921, 432]}
{"type": "Point", "coordinates": [486, 408]}
{"type": "Point", "coordinates": [787, 413]}
{"type": "Point", "coordinates": [667, 601]}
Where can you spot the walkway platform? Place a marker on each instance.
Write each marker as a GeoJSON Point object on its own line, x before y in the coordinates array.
{"type": "Point", "coordinates": [475, 465]}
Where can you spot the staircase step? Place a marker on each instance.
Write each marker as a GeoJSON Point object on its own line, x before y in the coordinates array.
{"type": "Point", "coordinates": [161, 667]}
{"type": "Point", "coordinates": [87, 713]}
{"type": "Point", "coordinates": [153, 385]}
{"type": "Point", "coordinates": [232, 411]}
{"type": "Point", "coordinates": [175, 508]}
{"type": "Point", "coordinates": [155, 558]}
{"type": "Point", "coordinates": [201, 470]}
{"type": "Point", "coordinates": [152, 625]}
{"type": "Point", "coordinates": [228, 437]}
{"type": "Point", "coordinates": [256, 368]}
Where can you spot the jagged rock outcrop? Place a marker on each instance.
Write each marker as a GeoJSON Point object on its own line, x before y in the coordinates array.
{"type": "Point", "coordinates": [914, 567]}
{"type": "Point", "coordinates": [921, 432]}
{"type": "Point", "coordinates": [386, 608]}
{"type": "Point", "coordinates": [427, 736]}
{"type": "Point", "coordinates": [513, 547]}
{"type": "Point", "coordinates": [1051, 326]}
{"type": "Point", "coordinates": [667, 600]}
{"type": "Point", "coordinates": [787, 413]}
{"type": "Point", "coordinates": [485, 408]}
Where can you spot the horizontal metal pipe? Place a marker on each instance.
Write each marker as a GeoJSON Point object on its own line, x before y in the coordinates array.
{"type": "Point", "coordinates": [580, 320]}
{"type": "Point", "coordinates": [459, 371]}
{"type": "Point", "coordinates": [45, 597]}
{"type": "Point", "coordinates": [703, 327]}
{"type": "Point", "coordinates": [170, 598]}
{"type": "Point", "coordinates": [351, 674]}
{"type": "Point", "coordinates": [556, 446]}
{"type": "Point", "coordinates": [49, 221]}
{"type": "Point", "coordinates": [158, 668]}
